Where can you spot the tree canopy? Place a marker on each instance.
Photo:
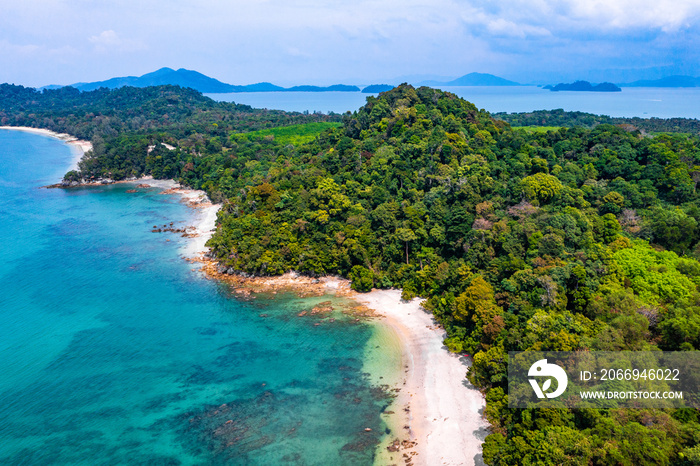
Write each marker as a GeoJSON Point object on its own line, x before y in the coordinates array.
{"type": "Point", "coordinates": [573, 238]}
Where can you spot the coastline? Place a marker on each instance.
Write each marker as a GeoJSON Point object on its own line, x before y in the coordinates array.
{"type": "Point", "coordinates": [436, 417]}
{"type": "Point", "coordinates": [441, 407]}
{"type": "Point", "coordinates": [205, 220]}
{"type": "Point", "coordinates": [79, 147]}
{"type": "Point", "coordinates": [204, 217]}
{"type": "Point", "coordinates": [434, 401]}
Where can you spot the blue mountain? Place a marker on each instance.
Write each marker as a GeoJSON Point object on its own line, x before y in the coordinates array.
{"type": "Point", "coordinates": [474, 79]}
{"type": "Point", "coordinates": [181, 77]}
{"type": "Point", "coordinates": [669, 81]}
{"type": "Point", "coordinates": [197, 81]}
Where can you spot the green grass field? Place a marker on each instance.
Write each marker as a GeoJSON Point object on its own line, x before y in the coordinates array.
{"type": "Point", "coordinates": [295, 134]}
{"type": "Point", "coordinates": [538, 129]}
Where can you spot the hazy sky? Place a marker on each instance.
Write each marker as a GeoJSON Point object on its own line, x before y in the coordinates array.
{"type": "Point", "coordinates": [355, 42]}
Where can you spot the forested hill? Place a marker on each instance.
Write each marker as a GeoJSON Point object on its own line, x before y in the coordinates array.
{"type": "Point", "coordinates": [108, 113]}
{"type": "Point", "coordinates": [573, 239]}
{"type": "Point", "coordinates": [354, 199]}
{"type": "Point", "coordinates": [520, 241]}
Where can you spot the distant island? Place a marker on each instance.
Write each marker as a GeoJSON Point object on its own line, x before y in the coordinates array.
{"type": "Point", "coordinates": [669, 81]}
{"type": "Point", "coordinates": [474, 79]}
{"type": "Point", "coordinates": [377, 88]}
{"type": "Point", "coordinates": [208, 85]}
{"type": "Point", "coordinates": [198, 82]}
{"type": "Point", "coordinates": [584, 86]}
{"type": "Point", "coordinates": [335, 87]}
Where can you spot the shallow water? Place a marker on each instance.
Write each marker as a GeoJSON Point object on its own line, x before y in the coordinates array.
{"type": "Point", "coordinates": [114, 350]}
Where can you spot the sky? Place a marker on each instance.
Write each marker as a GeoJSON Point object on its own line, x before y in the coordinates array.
{"type": "Point", "coordinates": [358, 42]}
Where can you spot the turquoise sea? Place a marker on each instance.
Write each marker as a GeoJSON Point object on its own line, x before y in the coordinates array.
{"type": "Point", "coordinates": [113, 350]}
{"type": "Point", "coordinates": [643, 102]}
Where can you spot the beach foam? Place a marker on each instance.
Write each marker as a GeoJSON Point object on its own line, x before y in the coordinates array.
{"type": "Point", "coordinates": [444, 409]}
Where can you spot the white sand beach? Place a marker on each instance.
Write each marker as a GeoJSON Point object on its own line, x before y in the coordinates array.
{"type": "Point", "coordinates": [206, 225]}
{"type": "Point", "coordinates": [436, 418]}
{"type": "Point", "coordinates": [79, 146]}
{"type": "Point", "coordinates": [444, 408]}
{"type": "Point", "coordinates": [205, 220]}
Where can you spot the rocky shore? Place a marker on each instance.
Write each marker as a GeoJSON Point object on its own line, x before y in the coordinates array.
{"type": "Point", "coordinates": [291, 282]}
{"type": "Point", "coordinates": [436, 416]}
{"type": "Point", "coordinates": [97, 182]}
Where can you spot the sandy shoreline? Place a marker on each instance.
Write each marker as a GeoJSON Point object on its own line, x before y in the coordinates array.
{"type": "Point", "coordinates": [437, 418]}
{"type": "Point", "coordinates": [441, 409]}
{"type": "Point", "coordinates": [78, 146]}
{"type": "Point", "coordinates": [444, 409]}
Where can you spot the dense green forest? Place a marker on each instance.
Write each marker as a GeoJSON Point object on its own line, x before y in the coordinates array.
{"type": "Point", "coordinates": [588, 120]}
{"type": "Point", "coordinates": [105, 113]}
{"type": "Point", "coordinates": [576, 238]}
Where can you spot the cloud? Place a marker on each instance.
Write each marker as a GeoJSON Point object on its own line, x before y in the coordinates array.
{"type": "Point", "coordinates": [447, 36]}
{"type": "Point", "coordinates": [667, 16]}
{"type": "Point", "coordinates": [108, 41]}
{"type": "Point", "coordinates": [251, 40]}
{"type": "Point", "coordinates": [295, 52]}
{"type": "Point", "coordinates": [503, 27]}
{"type": "Point", "coordinates": [564, 17]}
{"type": "Point", "coordinates": [35, 52]}
{"type": "Point", "coordinates": [7, 48]}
